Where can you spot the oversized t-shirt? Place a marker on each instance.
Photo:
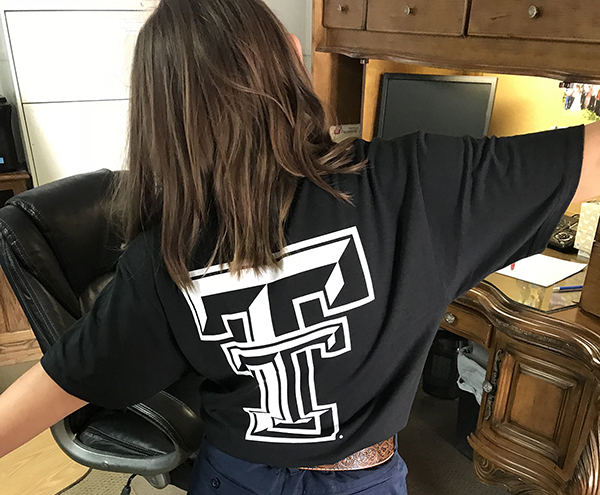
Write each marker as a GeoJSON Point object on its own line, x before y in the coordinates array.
{"type": "Point", "coordinates": [309, 363]}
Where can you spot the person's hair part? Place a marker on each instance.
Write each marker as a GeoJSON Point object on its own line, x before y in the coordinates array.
{"type": "Point", "coordinates": [223, 122]}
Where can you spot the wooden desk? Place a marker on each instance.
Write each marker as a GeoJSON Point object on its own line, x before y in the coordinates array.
{"type": "Point", "coordinates": [14, 181]}
{"type": "Point", "coordinates": [538, 429]}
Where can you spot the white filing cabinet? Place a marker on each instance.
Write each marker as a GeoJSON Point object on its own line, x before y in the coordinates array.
{"type": "Point", "coordinates": [67, 73]}
{"type": "Point", "coordinates": [65, 67]}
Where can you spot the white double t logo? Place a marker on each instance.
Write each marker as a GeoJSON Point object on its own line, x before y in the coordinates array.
{"type": "Point", "coordinates": [275, 325]}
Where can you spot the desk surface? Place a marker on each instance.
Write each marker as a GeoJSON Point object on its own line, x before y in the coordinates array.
{"type": "Point", "coordinates": [536, 296]}
{"type": "Point", "coordinates": [16, 175]}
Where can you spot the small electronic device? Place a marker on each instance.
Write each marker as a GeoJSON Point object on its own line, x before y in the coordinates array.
{"type": "Point", "coordinates": [563, 237]}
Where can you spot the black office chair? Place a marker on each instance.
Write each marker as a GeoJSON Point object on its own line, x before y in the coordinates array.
{"type": "Point", "coordinates": [58, 251]}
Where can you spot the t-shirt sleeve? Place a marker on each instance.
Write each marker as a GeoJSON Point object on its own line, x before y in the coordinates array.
{"type": "Point", "coordinates": [123, 351]}
{"type": "Point", "coordinates": [489, 202]}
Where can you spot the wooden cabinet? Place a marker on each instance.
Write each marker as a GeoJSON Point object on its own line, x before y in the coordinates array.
{"type": "Point", "coordinates": [570, 20]}
{"type": "Point", "coordinates": [537, 412]}
{"type": "Point", "coordinates": [347, 14]}
{"type": "Point", "coordinates": [418, 16]}
{"type": "Point", "coordinates": [556, 38]}
{"type": "Point", "coordinates": [537, 431]}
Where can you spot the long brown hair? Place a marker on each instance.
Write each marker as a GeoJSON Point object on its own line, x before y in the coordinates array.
{"type": "Point", "coordinates": [223, 119]}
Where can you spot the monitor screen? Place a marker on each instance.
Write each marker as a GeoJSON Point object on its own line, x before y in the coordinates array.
{"type": "Point", "coordinates": [450, 105]}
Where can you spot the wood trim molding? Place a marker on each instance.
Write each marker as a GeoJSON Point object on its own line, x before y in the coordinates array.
{"type": "Point", "coordinates": [20, 351]}
{"type": "Point", "coordinates": [586, 480]}
{"type": "Point", "coordinates": [569, 338]}
{"type": "Point", "coordinates": [511, 56]}
{"type": "Point", "coordinates": [487, 472]}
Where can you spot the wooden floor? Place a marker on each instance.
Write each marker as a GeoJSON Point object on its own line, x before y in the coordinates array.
{"type": "Point", "coordinates": [39, 467]}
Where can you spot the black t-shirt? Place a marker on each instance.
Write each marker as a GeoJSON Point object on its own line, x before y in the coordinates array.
{"type": "Point", "coordinates": [322, 358]}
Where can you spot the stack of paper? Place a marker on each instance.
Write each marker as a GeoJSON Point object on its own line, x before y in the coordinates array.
{"type": "Point", "coordinates": [542, 270]}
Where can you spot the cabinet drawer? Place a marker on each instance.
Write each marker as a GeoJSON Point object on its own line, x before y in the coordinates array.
{"type": "Point", "coordinates": [537, 19]}
{"type": "Point", "coordinates": [467, 324]}
{"type": "Point", "coordinates": [418, 16]}
{"type": "Point", "coordinates": [346, 14]}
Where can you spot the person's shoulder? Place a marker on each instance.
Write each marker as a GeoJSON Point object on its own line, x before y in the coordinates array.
{"type": "Point", "coordinates": [387, 156]}
{"type": "Point", "coordinates": [143, 252]}
{"type": "Point", "coordinates": [378, 147]}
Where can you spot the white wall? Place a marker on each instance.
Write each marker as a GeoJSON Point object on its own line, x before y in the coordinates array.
{"type": "Point", "coordinates": [296, 15]}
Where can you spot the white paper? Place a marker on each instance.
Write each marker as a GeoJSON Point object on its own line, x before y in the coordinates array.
{"type": "Point", "coordinates": [542, 270]}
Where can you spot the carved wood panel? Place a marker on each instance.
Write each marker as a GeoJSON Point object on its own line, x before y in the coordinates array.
{"type": "Point", "coordinates": [530, 428]}
{"type": "Point", "coordinates": [585, 481]}
{"type": "Point", "coordinates": [537, 402]}
{"type": "Point", "coordinates": [490, 474]}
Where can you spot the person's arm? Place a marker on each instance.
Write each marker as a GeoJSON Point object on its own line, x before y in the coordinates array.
{"type": "Point", "coordinates": [31, 405]}
{"type": "Point", "coordinates": [589, 182]}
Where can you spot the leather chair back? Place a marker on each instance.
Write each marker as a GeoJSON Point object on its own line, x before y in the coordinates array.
{"type": "Point", "coordinates": [63, 252]}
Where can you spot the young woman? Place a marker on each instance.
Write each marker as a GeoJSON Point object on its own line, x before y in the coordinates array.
{"type": "Point", "coordinates": [304, 280]}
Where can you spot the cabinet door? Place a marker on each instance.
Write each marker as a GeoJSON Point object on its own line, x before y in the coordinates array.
{"type": "Point", "coordinates": [74, 138]}
{"type": "Point", "coordinates": [73, 56]}
{"type": "Point", "coordinates": [536, 19]}
{"type": "Point", "coordinates": [418, 16]}
{"type": "Point", "coordinates": [346, 14]}
{"type": "Point", "coordinates": [535, 418]}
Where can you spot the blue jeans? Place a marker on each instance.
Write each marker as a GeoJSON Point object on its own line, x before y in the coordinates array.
{"type": "Point", "coordinates": [217, 473]}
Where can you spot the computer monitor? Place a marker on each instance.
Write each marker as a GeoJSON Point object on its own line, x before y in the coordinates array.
{"type": "Point", "coordinates": [450, 105]}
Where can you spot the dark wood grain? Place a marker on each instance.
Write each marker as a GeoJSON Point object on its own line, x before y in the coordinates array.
{"type": "Point", "coordinates": [349, 14]}
{"type": "Point", "coordinates": [559, 60]}
{"type": "Point", "coordinates": [418, 16]}
{"type": "Point", "coordinates": [569, 20]}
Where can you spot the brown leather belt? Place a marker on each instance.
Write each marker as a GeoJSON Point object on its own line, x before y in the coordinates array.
{"type": "Point", "coordinates": [366, 458]}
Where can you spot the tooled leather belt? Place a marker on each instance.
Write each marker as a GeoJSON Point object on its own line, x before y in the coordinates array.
{"type": "Point", "coordinates": [369, 457]}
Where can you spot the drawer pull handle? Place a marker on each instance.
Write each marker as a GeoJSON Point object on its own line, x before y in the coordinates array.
{"type": "Point", "coordinates": [408, 10]}
{"type": "Point", "coordinates": [449, 318]}
{"type": "Point", "coordinates": [342, 9]}
{"type": "Point", "coordinates": [491, 387]}
{"type": "Point", "coordinates": [533, 12]}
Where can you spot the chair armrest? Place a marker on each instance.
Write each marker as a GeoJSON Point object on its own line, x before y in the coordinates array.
{"type": "Point", "coordinates": [181, 424]}
{"type": "Point", "coordinates": [161, 420]}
